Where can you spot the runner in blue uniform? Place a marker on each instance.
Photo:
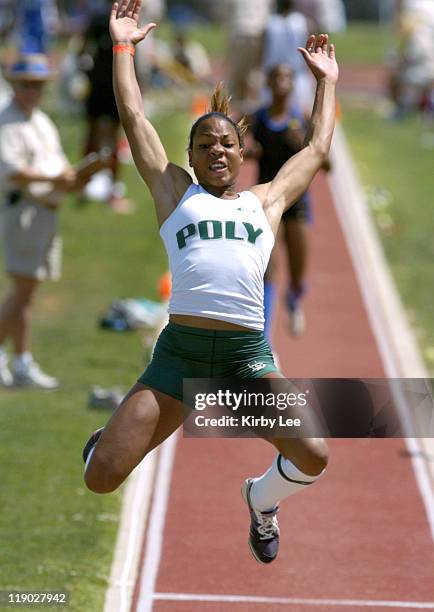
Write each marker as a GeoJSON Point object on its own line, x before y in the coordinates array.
{"type": "Point", "coordinates": [279, 130]}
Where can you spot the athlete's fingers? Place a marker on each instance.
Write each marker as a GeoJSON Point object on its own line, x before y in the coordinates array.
{"type": "Point", "coordinates": [148, 28]}
{"type": "Point", "coordinates": [122, 9]}
{"type": "Point", "coordinates": [306, 53]}
{"type": "Point", "coordinates": [130, 9]}
{"type": "Point", "coordinates": [332, 51]}
{"type": "Point", "coordinates": [325, 43]}
{"type": "Point", "coordinates": [137, 8]}
{"type": "Point", "coordinates": [310, 43]}
{"type": "Point", "coordinates": [114, 9]}
{"type": "Point", "coordinates": [319, 47]}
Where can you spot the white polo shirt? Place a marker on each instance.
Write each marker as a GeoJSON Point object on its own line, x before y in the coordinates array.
{"type": "Point", "coordinates": [30, 142]}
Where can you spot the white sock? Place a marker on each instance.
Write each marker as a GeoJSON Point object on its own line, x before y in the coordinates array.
{"type": "Point", "coordinates": [3, 353]}
{"type": "Point", "coordinates": [280, 481]}
{"type": "Point", "coordinates": [22, 361]}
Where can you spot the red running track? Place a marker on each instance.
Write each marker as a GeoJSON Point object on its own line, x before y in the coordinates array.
{"type": "Point", "coordinates": [359, 534]}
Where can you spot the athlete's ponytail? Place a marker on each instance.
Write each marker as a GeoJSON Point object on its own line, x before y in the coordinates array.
{"type": "Point", "coordinates": [220, 107]}
{"type": "Point", "coordinates": [221, 100]}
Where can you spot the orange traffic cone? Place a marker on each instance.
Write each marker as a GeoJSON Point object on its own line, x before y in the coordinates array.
{"type": "Point", "coordinates": [338, 112]}
{"type": "Point", "coordinates": [165, 286]}
{"type": "Point", "coordinates": [200, 104]}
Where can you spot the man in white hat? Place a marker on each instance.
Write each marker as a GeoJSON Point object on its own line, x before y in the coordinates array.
{"type": "Point", "coordinates": [34, 175]}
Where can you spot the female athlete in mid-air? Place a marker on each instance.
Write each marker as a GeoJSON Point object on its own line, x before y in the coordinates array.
{"type": "Point", "coordinates": [218, 242]}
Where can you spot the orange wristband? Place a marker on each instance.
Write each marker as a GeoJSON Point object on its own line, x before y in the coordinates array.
{"type": "Point", "coordinates": [124, 48]}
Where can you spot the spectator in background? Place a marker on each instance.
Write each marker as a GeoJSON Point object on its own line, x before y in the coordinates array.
{"type": "Point", "coordinates": [412, 75]}
{"type": "Point", "coordinates": [192, 56]}
{"type": "Point", "coordinates": [7, 18]}
{"type": "Point", "coordinates": [285, 32]}
{"type": "Point", "coordinates": [331, 16]}
{"type": "Point", "coordinates": [5, 91]}
{"type": "Point", "coordinates": [34, 174]}
{"type": "Point", "coordinates": [246, 21]}
{"type": "Point", "coordinates": [152, 10]}
{"type": "Point", "coordinates": [38, 21]}
{"type": "Point", "coordinates": [419, 6]}
{"type": "Point", "coordinates": [308, 8]}
{"type": "Point", "coordinates": [74, 16]}
{"type": "Point", "coordinates": [7, 21]}
{"type": "Point", "coordinates": [103, 123]}
{"type": "Point", "coordinates": [323, 15]}
{"type": "Point", "coordinates": [145, 60]}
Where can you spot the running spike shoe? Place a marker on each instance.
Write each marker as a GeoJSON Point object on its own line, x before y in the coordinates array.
{"type": "Point", "coordinates": [264, 530]}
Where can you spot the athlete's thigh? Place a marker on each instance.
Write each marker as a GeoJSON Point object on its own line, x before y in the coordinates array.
{"type": "Point", "coordinates": [144, 419]}
{"type": "Point", "coordinates": [300, 450]}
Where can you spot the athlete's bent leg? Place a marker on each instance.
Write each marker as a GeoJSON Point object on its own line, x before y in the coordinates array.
{"type": "Point", "coordinates": [300, 462]}
{"type": "Point", "coordinates": [143, 420]}
{"type": "Point", "coordinates": [309, 455]}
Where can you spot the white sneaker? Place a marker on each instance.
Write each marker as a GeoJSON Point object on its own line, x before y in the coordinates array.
{"type": "Point", "coordinates": [297, 321]}
{"type": "Point", "coordinates": [6, 378]}
{"type": "Point", "coordinates": [32, 376]}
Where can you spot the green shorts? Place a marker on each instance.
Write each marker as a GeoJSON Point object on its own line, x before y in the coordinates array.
{"type": "Point", "coordinates": [191, 352]}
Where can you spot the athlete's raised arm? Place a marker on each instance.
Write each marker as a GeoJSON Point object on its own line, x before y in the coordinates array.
{"type": "Point", "coordinates": [296, 174]}
{"type": "Point", "coordinates": [166, 181]}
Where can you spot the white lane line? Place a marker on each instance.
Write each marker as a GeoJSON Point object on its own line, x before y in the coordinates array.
{"type": "Point", "coordinates": [395, 341]}
{"type": "Point", "coordinates": [135, 505]}
{"type": "Point", "coordinates": [288, 601]}
{"type": "Point", "coordinates": [136, 502]}
{"type": "Point", "coordinates": [155, 529]}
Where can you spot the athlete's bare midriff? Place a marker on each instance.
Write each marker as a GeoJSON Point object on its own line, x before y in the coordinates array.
{"type": "Point", "coordinates": [205, 323]}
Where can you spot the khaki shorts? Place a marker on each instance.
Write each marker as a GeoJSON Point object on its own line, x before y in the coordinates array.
{"type": "Point", "coordinates": [31, 244]}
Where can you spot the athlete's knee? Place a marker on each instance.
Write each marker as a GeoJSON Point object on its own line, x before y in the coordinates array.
{"type": "Point", "coordinates": [118, 449]}
{"type": "Point", "coordinates": [310, 455]}
{"type": "Point", "coordinates": [100, 475]}
{"type": "Point", "coordinates": [95, 485]}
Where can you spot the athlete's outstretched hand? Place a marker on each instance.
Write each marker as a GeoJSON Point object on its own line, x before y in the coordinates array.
{"type": "Point", "coordinates": [124, 19]}
{"type": "Point", "coordinates": [320, 58]}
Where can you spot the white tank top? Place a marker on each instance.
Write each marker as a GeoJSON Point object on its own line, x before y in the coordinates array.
{"type": "Point", "coordinates": [218, 252]}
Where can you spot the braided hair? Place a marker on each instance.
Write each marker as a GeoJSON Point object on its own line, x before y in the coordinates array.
{"type": "Point", "coordinates": [220, 107]}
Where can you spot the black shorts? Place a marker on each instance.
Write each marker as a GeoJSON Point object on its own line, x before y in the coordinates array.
{"type": "Point", "coordinates": [301, 210]}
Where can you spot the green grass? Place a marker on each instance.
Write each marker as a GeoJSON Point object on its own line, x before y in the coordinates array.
{"type": "Point", "coordinates": [396, 171]}
{"type": "Point", "coordinates": [363, 43]}
{"type": "Point", "coordinates": [54, 534]}
{"type": "Point", "coordinates": [211, 36]}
